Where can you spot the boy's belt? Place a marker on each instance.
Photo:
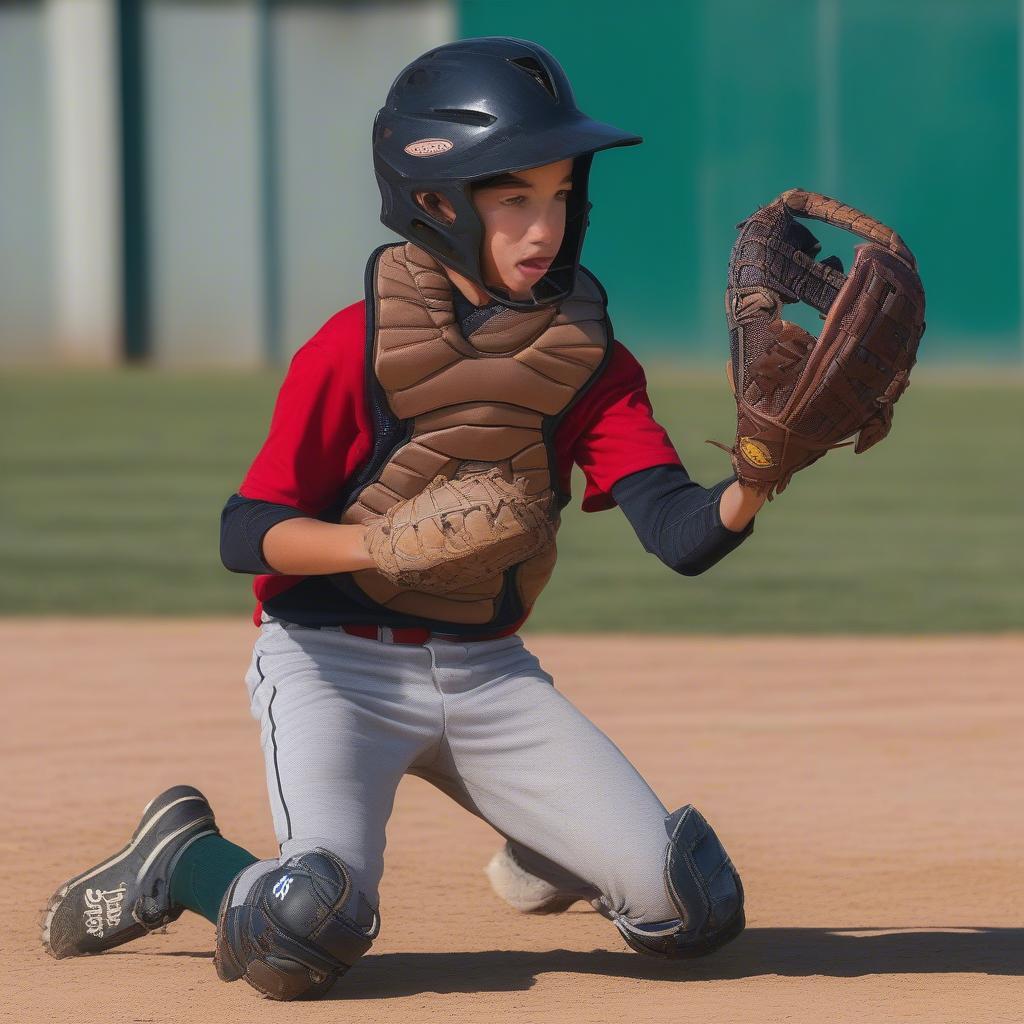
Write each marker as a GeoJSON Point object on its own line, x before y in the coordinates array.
{"type": "Point", "coordinates": [419, 635]}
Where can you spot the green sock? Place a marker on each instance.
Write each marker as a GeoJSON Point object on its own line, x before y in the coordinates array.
{"type": "Point", "coordinates": [204, 872]}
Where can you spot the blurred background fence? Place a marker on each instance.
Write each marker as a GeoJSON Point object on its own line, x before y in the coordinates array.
{"type": "Point", "coordinates": [190, 182]}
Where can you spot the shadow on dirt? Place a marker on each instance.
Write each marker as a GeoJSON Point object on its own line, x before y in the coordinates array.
{"type": "Point", "coordinates": [791, 952]}
{"type": "Point", "coordinates": [198, 954]}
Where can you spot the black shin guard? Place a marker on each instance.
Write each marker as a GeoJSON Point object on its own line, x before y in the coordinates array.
{"type": "Point", "coordinates": [290, 938]}
{"type": "Point", "coordinates": [705, 889]}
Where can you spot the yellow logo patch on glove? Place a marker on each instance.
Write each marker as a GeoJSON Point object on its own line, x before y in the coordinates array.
{"type": "Point", "coordinates": [755, 453]}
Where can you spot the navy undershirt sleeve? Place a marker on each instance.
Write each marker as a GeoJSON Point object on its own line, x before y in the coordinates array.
{"type": "Point", "coordinates": [243, 524]}
{"type": "Point", "coordinates": [677, 519]}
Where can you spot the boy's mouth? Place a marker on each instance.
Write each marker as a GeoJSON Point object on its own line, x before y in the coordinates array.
{"type": "Point", "coordinates": [538, 267]}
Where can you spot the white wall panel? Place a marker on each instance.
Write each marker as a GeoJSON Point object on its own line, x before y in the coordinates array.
{"type": "Point", "coordinates": [334, 65]}
{"type": "Point", "coordinates": [85, 174]}
{"type": "Point", "coordinates": [203, 182]}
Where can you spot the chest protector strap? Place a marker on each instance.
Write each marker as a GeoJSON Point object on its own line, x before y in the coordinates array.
{"type": "Point", "coordinates": [492, 398]}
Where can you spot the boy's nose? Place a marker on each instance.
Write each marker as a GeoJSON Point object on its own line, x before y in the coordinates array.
{"type": "Point", "coordinates": [546, 230]}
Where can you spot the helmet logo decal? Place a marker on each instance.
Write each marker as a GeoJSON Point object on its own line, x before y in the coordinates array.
{"type": "Point", "coordinates": [429, 147]}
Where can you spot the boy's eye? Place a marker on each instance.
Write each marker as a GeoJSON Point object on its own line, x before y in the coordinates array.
{"type": "Point", "coordinates": [562, 195]}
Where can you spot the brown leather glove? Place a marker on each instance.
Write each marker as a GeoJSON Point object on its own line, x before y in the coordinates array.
{"type": "Point", "coordinates": [798, 396]}
{"type": "Point", "coordinates": [459, 532]}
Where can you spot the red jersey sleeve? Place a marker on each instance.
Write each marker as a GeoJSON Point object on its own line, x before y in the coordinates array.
{"type": "Point", "coordinates": [319, 433]}
{"type": "Point", "coordinates": [611, 431]}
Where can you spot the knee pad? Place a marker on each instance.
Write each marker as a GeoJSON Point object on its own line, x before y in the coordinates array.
{"type": "Point", "coordinates": [704, 888]}
{"type": "Point", "coordinates": [290, 938]}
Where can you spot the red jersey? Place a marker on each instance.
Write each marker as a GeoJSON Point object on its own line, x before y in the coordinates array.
{"type": "Point", "coordinates": [321, 433]}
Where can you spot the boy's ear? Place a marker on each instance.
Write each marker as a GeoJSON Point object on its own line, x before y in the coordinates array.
{"type": "Point", "coordinates": [437, 206]}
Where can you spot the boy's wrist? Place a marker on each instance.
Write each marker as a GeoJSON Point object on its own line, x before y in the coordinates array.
{"type": "Point", "coordinates": [738, 506]}
{"type": "Point", "coordinates": [361, 550]}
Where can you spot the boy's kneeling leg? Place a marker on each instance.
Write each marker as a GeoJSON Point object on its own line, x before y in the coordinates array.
{"type": "Point", "coordinates": [290, 936]}
{"type": "Point", "coordinates": [704, 888]}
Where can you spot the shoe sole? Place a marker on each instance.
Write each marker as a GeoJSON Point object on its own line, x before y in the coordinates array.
{"type": "Point", "coordinates": [144, 827]}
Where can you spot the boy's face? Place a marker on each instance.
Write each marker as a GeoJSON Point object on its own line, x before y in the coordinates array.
{"type": "Point", "coordinates": [523, 217]}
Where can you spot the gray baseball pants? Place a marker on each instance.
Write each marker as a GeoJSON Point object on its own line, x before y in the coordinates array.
{"type": "Point", "coordinates": [343, 718]}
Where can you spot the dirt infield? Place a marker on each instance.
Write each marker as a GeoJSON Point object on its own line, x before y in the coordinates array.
{"type": "Point", "coordinates": [874, 810]}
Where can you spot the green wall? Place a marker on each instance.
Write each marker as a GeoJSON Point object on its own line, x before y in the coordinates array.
{"type": "Point", "coordinates": [908, 109]}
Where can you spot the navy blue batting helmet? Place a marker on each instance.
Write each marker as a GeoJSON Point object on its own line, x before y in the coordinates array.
{"type": "Point", "coordinates": [471, 110]}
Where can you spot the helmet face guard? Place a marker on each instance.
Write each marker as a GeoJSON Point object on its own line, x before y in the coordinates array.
{"type": "Point", "coordinates": [467, 112]}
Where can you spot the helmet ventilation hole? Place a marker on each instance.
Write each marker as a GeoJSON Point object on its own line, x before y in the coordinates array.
{"type": "Point", "coordinates": [536, 71]}
{"type": "Point", "coordinates": [475, 117]}
{"type": "Point", "coordinates": [418, 78]}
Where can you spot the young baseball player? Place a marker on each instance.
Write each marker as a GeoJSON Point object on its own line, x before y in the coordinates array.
{"type": "Point", "coordinates": [400, 518]}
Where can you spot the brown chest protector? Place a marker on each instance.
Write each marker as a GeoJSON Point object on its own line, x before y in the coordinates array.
{"type": "Point", "coordinates": [469, 403]}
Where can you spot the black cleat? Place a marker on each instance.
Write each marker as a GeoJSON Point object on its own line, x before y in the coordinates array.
{"type": "Point", "coordinates": [128, 894]}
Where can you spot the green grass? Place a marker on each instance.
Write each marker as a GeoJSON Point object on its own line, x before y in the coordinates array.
{"type": "Point", "coordinates": [111, 485]}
